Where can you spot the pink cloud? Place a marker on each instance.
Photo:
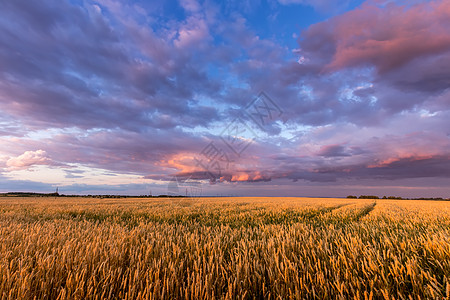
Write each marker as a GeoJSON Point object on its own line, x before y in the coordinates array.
{"type": "Point", "coordinates": [386, 37]}
{"type": "Point", "coordinates": [391, 160]}
{"type": "Point", "coordinates": [250, 177]}
{"type": "Point", "coordinates": [191, 34]}
{"type": "Point", "coordinates": [27, 160]}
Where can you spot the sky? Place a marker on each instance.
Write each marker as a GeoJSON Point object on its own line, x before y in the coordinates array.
{"type": "Point", "coordinates": [234, 98]}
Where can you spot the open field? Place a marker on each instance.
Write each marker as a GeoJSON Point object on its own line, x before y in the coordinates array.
{"type": "Point", "coordinates": [82, 248]}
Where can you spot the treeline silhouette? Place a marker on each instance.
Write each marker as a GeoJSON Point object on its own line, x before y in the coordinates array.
{"type": "Point", "coordinates": [29, 194]}
{"type": "Point", "coordinates": [395, 198]}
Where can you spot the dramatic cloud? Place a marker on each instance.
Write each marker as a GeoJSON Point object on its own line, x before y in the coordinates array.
{"type": "Point", "coordinates": [386, 37]}
{"type": "Point", "coordinates": [370, 36]}
{"type": "Point", "coordinates": [28, 160]}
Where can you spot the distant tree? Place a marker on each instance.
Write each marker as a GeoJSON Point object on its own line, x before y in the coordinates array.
{"type": "Point", "coordinates": [352, 197]}
{"type": "Point", "coordinates": [368, 197]}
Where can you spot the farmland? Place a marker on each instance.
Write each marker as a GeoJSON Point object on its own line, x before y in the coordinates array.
{"type": "Point", "coordinates": [223, 248]}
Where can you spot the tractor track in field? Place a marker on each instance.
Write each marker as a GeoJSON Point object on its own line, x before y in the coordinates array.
{"type": "Point", "coordinates": [365, 211]}
{"type": "Point", "coordinates": [325, 210]}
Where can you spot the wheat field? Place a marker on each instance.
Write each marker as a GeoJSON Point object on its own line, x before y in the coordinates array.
{"type": "Point", "coordinates": [224, 248]}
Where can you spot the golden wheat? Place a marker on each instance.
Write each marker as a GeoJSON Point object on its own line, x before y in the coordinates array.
{"type": "Point", "coordinates": [223, 248]}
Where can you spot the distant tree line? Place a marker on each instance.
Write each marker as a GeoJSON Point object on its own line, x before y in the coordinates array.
{"type": "Point", "coordinates": [363, 197]}
{"type": "Point", "coordinates": [394, 197]}
{"type": "Point", "coordinates": [29, 194]}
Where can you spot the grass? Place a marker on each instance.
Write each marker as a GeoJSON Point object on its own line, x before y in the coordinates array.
{"type": "Point", "coordinates": [224, 248]}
